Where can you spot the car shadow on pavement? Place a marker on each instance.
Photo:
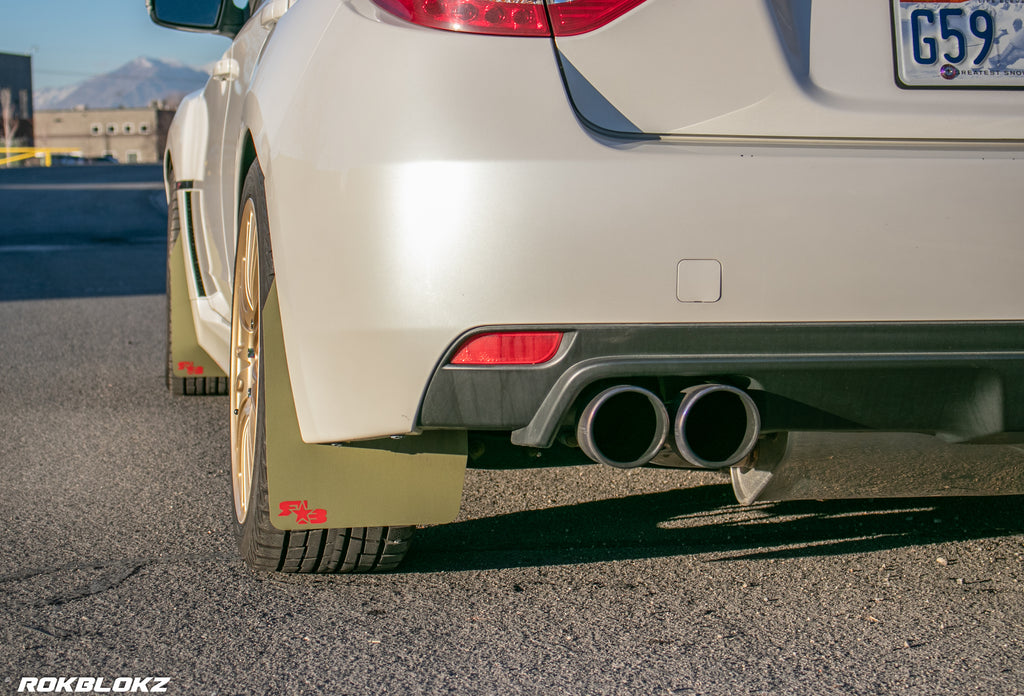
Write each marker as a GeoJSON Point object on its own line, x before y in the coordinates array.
{"type": "Point", "coordinates": [707, 520]}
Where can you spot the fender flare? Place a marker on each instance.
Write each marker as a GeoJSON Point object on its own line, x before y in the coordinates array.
{"type": "Point", "coordinates": [187, 154]}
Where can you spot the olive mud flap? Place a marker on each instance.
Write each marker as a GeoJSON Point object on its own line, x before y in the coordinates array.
{"type": "Point", "coordinates": [383, 483]}
{"type": "Point", "coordinates": [188, 360]}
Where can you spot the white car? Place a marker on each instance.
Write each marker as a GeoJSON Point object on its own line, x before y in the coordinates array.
{"type": "Point", "coordinates": [668, 231]}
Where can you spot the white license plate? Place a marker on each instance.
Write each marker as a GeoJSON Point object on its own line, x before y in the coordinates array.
{"type": "Point", "coordinates": [959, 43]}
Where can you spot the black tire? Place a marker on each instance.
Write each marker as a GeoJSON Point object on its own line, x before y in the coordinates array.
{"type": "Point", "coordinates": [264, 547]}
{"type": "Point", "coordinates": [185, 386]}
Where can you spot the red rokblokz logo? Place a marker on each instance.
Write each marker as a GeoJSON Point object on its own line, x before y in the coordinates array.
{"type": "Point", "coordinates": [93, 685]}
{"type": "Point", "coordinates": [303, 515]}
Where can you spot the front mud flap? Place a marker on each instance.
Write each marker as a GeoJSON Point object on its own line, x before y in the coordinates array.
{"type": "Point", "coordinates": [833, 466]}
{"type": "Point", "coordinates": [415, 480]}
{"type": "Point", "coordinates": [187, 359]}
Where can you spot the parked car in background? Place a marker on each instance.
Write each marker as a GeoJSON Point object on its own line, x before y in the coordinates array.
{"type": "Point", "coordinates": [665, 231]}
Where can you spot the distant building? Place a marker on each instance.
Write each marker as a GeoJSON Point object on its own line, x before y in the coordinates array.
{"type": "Point", "coordinates": [16, 75]}
{"type": "Point", "coordinates": [127, 135]}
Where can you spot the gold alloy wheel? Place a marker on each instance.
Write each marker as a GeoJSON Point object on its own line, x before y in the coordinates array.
{"type": "Point", "coordinates": [245, 359]}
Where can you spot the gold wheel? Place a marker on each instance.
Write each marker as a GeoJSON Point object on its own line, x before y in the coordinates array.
{"type": "Point", "coordinates": [245, 359]}
{"type": "Point", "coordinates": [264, 547]}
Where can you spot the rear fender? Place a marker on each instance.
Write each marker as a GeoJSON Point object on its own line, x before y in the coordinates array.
{"type": "Point", "coordinates": [413, 480]}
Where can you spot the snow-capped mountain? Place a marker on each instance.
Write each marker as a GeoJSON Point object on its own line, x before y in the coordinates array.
{"type": "Point", "coordinates": [137, 83]}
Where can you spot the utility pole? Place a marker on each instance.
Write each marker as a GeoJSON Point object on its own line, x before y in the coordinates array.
{"type": "Point", "coordinates": [9, 121]}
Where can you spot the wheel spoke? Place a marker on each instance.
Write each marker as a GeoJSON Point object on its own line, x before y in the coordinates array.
{"type": "Point", "coordinates": [247, 449]}
{"type": "Point", "coordinates": [252, 278]}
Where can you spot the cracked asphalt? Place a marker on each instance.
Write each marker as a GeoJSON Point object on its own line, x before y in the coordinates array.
{"type": "Point", "coordinates": [116, 558]}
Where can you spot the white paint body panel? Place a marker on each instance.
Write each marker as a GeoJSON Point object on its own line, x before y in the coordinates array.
{"type": "Point", "coordinates": [778, 68]}
{"type": "Point", "coordinates": [187, 138]}
{"type": "Point", "coordinates": [421, 183]}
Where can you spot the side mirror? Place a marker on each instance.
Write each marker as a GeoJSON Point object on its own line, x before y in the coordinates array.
{"type": "Point", "coordinates": [208, 16]}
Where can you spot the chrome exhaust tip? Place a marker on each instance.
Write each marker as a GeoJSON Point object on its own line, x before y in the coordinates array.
{"type": "Point", "coordinates": [624, 426]}
{"type": "Point", "coordinates": [715, 426]}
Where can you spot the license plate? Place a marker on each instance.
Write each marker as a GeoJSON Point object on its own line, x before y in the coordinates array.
{"type": "Point", "coordinates": [959, 43]}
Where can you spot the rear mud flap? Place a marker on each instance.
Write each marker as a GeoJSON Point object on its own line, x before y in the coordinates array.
{"type": "Point", "coordinates": [414, 480]}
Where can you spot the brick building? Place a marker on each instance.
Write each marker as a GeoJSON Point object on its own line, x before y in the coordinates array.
{"type": "Point", "coordinates": [128, 135]}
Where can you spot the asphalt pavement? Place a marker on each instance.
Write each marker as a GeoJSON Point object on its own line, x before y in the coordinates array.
{"type": "Point", "coordinates": [116, 557]}
{"type": "Point", "coordinates": [82, 231]}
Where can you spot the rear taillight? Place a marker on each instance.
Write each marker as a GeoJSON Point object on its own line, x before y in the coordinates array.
{"type": "Point", "coordinates": [571, 17]}
{"type": "Point", "coordinates": [509, 348]}
{"type": "Point", "coordinates": [502, 17]}
{"type": "Point", "coordinates": [510, 17]}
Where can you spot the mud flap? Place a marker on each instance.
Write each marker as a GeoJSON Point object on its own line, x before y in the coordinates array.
{"type": "Point", "coordinates": [187, 359]}
{"type": "Point", "coordinates": [415, 480]}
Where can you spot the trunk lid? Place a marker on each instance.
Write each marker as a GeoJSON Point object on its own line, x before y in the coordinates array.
{"type": "Point", "coordinates": [793, 69]}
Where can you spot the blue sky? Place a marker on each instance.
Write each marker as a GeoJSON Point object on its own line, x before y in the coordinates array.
{"type": "Point", "coordinates": [72, 40]}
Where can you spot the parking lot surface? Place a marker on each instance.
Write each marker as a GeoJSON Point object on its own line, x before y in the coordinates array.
{"type": "Point", "coordinates": [559, 577]}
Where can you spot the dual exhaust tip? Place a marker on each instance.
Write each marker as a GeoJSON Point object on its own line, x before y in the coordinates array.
{"type": "Point", "coordinates": [713, 426]}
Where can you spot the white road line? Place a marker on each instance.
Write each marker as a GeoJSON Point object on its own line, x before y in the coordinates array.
{"type": "Point", "coordinates": [116, 186]}
{"type": "Point", "coordinates": [34, 248]}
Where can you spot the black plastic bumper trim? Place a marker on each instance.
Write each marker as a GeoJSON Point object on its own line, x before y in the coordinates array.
{"type": "Point", "coordinates": [964, 379]}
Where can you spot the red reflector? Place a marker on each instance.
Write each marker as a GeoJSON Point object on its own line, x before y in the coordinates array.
{"type": "Point", "coordinates": [502, 17]}
{"type": "Point", "coordinates": [571, 17]}
{"type": "Point", "coordinates": [514, 348]}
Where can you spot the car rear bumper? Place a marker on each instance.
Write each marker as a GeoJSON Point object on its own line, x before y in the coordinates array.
{"type": "Point", "coordinates": [401, 230]}
{"type": "Point", "coordinates": [962, 381]}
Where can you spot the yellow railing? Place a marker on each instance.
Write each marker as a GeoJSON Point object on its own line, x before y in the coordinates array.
{"type": "Point", "coordinates": [9, 155]}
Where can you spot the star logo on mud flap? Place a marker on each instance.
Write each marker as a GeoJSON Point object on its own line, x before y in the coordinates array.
{"type": "Point", "coordinates": [303, 515]}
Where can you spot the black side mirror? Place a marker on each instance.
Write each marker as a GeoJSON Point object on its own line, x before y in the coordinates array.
{"type": "Point", "coordinates": [209, 16]}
